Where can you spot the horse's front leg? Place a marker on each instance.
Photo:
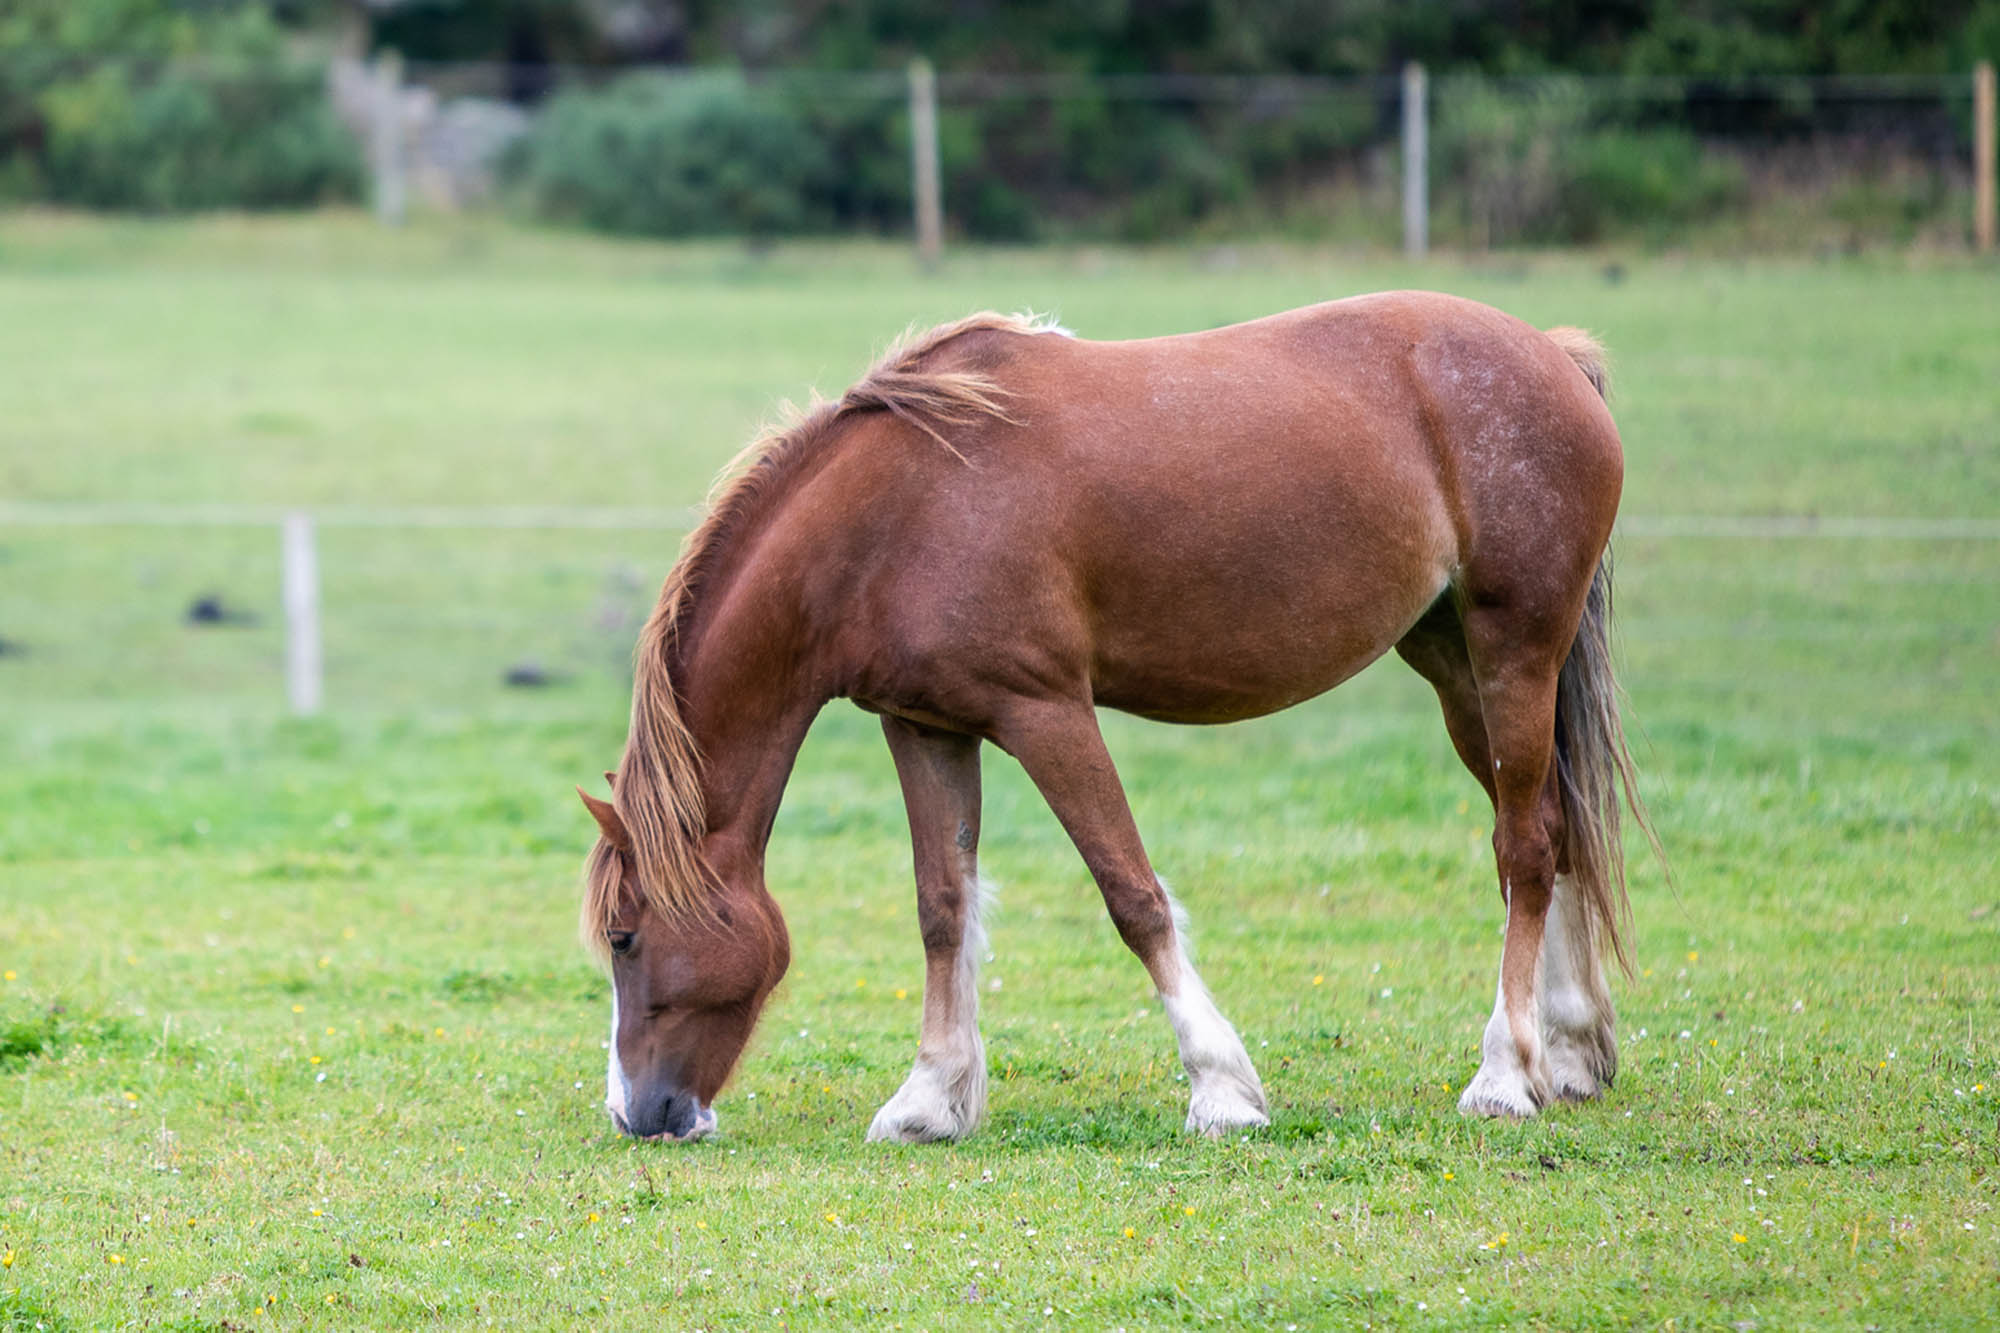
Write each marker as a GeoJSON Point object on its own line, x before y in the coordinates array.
{"type": "Point", "coordinates": [1063, 752]}
{"type": "Point", "coordinates": [945, 1094]}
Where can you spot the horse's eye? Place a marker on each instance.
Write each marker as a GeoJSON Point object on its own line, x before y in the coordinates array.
{"type": "Point", "coordinates": [621, 941]}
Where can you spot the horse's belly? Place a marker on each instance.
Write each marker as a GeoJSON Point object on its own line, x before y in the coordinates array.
{"type": "Point", "coordinates": [1221, 645]}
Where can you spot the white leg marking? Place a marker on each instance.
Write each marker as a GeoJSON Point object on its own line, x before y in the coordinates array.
{"type": "Point", "coordinates": [1578, 1023]}
{"type": "Point", "coordinates": [1224, 1093]}
{"type": "Point", "coordinates": [1501, 1087]}
{"type": "Point", "coordinates": [1506, 1085]}
{"type": "Point", "coordinates": [614, 1073]}
{"type": "Point", "coordinates": [945, 1095]}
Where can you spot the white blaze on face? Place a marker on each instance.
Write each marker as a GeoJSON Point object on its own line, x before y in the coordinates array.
{"type": "Point", "coordinates": [614, 1073]}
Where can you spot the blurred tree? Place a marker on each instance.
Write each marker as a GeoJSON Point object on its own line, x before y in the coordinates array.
{"type": "Point", "coordinates": [153, 104]}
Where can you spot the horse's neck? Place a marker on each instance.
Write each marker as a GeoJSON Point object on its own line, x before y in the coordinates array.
{"type": "Point", "coordinates": [748, 700]}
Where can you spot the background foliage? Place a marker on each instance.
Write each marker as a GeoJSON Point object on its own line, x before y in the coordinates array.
{"type": "Point", "coordinates": [153, 105]}
{"type": "Point", "coordinates": [1704, 38]}
{"type": "Point", "coordinates": [693, 155]}
{"type": "Point", "coordinates": [180, 104]}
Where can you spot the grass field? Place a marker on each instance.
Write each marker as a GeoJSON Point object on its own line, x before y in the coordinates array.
{"type": "Point", "coordinates": [294, 1031]}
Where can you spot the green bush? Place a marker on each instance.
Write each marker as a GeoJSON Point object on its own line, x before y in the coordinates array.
{"type": "Point", "coordinates": [1548, 166]}
{"type": "Point", "coordinates": [142, 104]}
{"type": "Point", "coordinates": [189, 140]}
{"type": "Point", "coordinates": [1644, 179]}
{"type": "Point", "coordinates": [675, 155]}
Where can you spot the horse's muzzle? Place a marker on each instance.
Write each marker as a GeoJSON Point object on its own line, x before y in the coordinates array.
{"type": "Point", "coordinates": [677, 1119]}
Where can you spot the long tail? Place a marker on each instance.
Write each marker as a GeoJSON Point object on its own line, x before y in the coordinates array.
{"type": "Point", "coordinates": [1595, 773]}
{"type": "Point", "coordinates": [1593, 766]}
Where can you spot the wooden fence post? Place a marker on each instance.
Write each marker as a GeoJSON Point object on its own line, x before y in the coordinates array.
{"type": "Point", "coordinates": [302, 644]}
{"type": "Point", "coordinates": [386, 150]}
{"type": "Point", "coordinates": [1416, 163]}
{"type": "Point", "coordinates": [1982, 157]}
{"type": "Point", "coordinates": [926, 191]}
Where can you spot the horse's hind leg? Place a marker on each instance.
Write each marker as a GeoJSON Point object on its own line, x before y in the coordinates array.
{"type": "Point", "coordinates": [1578, 1021]}
{"type": "Point", "coordinates": [1566, 1004]}
{"type": "Point", "coordinates": [945, 1094]}
{"type": "Point", "coordinates": [1060, 747]}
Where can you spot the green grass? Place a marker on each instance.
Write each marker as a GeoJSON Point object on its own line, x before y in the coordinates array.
{"type": "Point", "coordinates": [292, 1022]}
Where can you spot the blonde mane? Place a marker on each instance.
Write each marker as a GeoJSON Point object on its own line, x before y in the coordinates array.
{"type": "Point", "coordinates": [658, 787]}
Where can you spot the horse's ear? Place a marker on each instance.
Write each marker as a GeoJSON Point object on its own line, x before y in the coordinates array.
{"type": "Point", "coordinates": [608, 821]}
{"type": "Point", "coordinates": [611, 778]}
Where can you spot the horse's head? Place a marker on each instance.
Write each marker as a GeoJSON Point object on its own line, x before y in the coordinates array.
{"type": "Point", "coordinates": [686, 988]}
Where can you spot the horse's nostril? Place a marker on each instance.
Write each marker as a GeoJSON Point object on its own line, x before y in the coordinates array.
{"type": "Point", "coordinates": [682, 1112]}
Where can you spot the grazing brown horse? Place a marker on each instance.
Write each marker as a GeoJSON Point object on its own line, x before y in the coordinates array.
{"type": "Point", "coordinates": [1003, 528]}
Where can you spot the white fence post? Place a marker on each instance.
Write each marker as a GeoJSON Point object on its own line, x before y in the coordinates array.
{"type": "Point", "coordinates": [302, 645]}
{"type": "Point", "coordinates": [386, 148]}
{"type": "Point", "coordinates": [926, 191]}
{"type": "Point", "coordinates": [1416, 163]}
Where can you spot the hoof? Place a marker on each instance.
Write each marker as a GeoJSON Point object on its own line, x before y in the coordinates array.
{"type": "Point", "coordinates": [1571, 1076]}
{"type": "Point", "coordinates": [1228, 1105]}
{"type": "Point", "coordinates": [1499, 1096]}
{"type": "Point", "coordinates": [895, 1124]}
{"type": "Point", "coordinates": [1582, 1064]}
{"type": "Point", "coordinates": [930, 1107]}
